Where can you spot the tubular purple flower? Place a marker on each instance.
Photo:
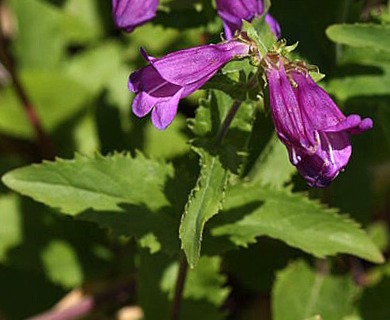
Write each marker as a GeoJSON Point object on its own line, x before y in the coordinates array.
{"type": "Point", "coordinates": [129, 14]}
{"type": "Point", "coordinates": [232, 12]}
{"type": "Point", "coordinates": [308, 122]}
{"type": "Point", "coordinates": [160, 85]}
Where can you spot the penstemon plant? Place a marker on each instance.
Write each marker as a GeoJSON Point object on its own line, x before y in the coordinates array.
{"type": "Point", "coordinates": [185, 160]}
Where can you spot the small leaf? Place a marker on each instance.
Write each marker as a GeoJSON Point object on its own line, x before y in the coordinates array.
{"type": "Point", "coordinates": [100, 183]}
{"type": "Point", "coordinates": [204, 202]}
{"type": "Point", "coordinates": [294, 219]}
{"type": "Point", "coordinates": [361, 35]}
{"type": "Point", "coordinates": [272, 169]}
{"type": "Point", "coordinates": [42, 46]}
{"type": "Point", "coordinates": [224, 154]}
{"type": "Point", "coordinates": [62, 265]}
{"type": "Point", "coordinates": [300, 293]}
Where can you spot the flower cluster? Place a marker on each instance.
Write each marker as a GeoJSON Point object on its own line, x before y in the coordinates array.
{"type": "Point", "coordinates": [160, 85]}
{"type": "Point", "coordinates": [307, 121]}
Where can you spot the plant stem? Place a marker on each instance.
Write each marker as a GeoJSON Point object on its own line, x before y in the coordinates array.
{"type": "Point", "coordinates": [226, 123]}
{"type": "Point", "coordinates": [179, 289]}
{"type": "Point", "coordinates": [44, 142]}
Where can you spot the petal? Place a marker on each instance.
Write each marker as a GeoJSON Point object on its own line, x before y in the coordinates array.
{"type": "Point", "coordinates": [273, 24]}
{"type": "Point", "coordinates": [285, 109]}
{"type": "Point", "coordinates": [364, 125]}
{"type": "Point", "coordinates": [318, 109]}
{"type": "Point", "coordinates": [149, 80]}
{"type": "Point", "coordinates": [352, 123]}
{"type": "Point", "coordinates": [321, 168]}
{"type": "Point", "coordinates": [233, 12]}
{"type": "Point", "coordinates": [129, 14]}
{"type": "Point", "coordinates": [142, 104]}
{"type": "Point", "coordinates": [196, 64]}
{"type": "Point", "coordinates": [165, 111]}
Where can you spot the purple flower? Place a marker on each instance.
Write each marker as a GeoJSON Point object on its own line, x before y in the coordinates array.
{"type": "Point", "coordinates": [308, 122]}
{"type": "Point", "coordinates": [233, 12]}
{"type": "Point", "coordinates": [129, 14]}
{"type": "Point", "coordinates": [160, 85]}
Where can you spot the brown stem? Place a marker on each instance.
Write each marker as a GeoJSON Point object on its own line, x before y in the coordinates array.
{"type": "Point", "coordinates": [180, 282]}
{"type": "Point", "coordinates": [226, 123]}
{"type": "Point", "coordinates": [44, 142]}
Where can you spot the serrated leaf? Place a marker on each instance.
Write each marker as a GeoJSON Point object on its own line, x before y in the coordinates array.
{"type": "Point", "coordinates": [204, 202]}
{"type": "Point", "coordinates": [118, 192]}
{"type": "Point", "coordinates": [361, 35]}
{"type": "Point", "coordinates": [295, 220]}
{"type": "Point", "coordinates": [224, 154]}
{"type": "Point", "coordinates": [300, 293]}
{"type": "Point", "coordinates": [99, 183]}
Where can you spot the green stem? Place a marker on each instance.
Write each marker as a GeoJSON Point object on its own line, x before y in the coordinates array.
{"type": "Point", "coordinates": [45, 144]}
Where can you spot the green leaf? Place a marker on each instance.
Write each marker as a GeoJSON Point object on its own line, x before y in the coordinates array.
{"type": "Point", "coordinates": [272, 169]}
{"type": "Point", "coordinates": [99, 183]}
{"type": "Point", "coordinates": [300, 293]}
{"type": "Point", "coordinates": [82, 23]}
{"type": "Point", "coordinates": [41, 46]}
{"type": "Point", "coordinates": [294, 219]}
{"type": "Point", "coordinates": [118, 192]}
{"type": "Point", "coordinates": [373, 36]}
{"type": "Point", "coordinates": [167, 144]}
{"type": "Point", "coordinates": [361, 85]}
{"type": "Point", "coordinates": [55, 97]}
{"type": "Point", "coordinates": [61, 262]}
{"type": "Point", "coordinates": [222, 155]}
{"type": "Point", "coordinates": [380, 234]}
{"type": "Point", "coordinates": [204, 202]}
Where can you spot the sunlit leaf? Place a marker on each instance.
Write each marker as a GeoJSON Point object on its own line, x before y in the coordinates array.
{"type": "Point", "coordinates": [300, 293]}
{"type": "Point", "coordinates": [374, 36]}
{"type": "Point", "coordinates": [100, 183]}
{"type": "Point", "coordinates": [294, 219]}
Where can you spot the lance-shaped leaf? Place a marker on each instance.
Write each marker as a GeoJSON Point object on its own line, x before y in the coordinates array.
{"type": "Point", "coordinates": [204, 202]}
{"type": "Point", "coordinates": [361, 35]}
{"type": "Point", "coordinates": [272, 168]}
{"type": "Point", "coordinates": [99, 183]}
{"type": "Point", "coordinates": [217, 160]}
{"type": "Point", "coordinates": [295, 220]}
